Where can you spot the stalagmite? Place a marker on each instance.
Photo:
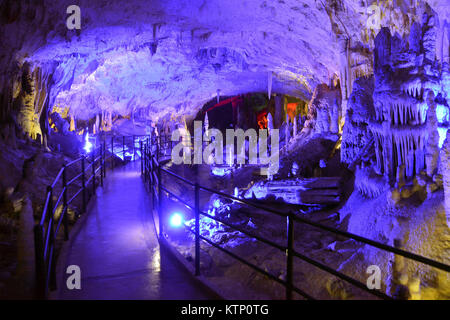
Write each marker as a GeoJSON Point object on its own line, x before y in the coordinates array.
{"type": "Point", "coordinates": [287, 131]}
{"type": "Point", "coordinates": [72, 124]}
{"type": "Point", "coordinates": [206, 122]}
{"type": "Point", "coordinates": [97, 124]}
{"type": "Point", "coordinates": [270, 126]}
{"type": "Point", "coordinates": [334, 118]}
{"type": "Point", "coordinates": [294, 131]}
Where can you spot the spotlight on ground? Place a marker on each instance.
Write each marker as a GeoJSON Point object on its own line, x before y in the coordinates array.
{"type": "Point", "coordinates": [176, 220]}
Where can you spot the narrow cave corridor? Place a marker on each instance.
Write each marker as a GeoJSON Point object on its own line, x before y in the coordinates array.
{"type": "Point", "coordinates": [236, 150]}
{"type": "Point", "coordinates": [118, 248]}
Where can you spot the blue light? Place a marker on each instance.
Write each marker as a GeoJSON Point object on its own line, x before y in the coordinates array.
{"type": "Point", "coordinates": [442, 113]}
{"type": "Point", "coordinates": [176, 220]}
{"type": "Point", "coordinates": [87, 144]}
{"type": "Point", "coordinates": [442, 135]}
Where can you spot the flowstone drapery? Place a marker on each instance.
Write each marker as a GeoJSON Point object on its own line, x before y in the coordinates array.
{"type": "Point", "coordinates": [406, 81]}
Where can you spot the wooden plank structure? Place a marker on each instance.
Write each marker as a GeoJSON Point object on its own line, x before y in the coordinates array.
{"type": "Point", "coordinates": [306, 191]}
{"type": "Point", "coordinates": [323, 190]}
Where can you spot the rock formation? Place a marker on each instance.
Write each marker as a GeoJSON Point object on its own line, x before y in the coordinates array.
{"type": "Point", "coordinates": [324, 110]}
{"type": "Point", "coordinates": [445, 169]}
{"type": "Point", "coordinates": [403, 79]}
{"type": "Point", "coordinates": [356, 134]}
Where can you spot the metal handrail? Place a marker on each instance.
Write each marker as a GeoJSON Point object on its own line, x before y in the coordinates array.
{"type": "Point", "coordinates": [151, 170]}
{"type": "Point", "coordinates": [46, 230]}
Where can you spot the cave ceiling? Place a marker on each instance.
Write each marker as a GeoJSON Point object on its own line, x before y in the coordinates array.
{"type": "Point", "coordinates": [171, 56]}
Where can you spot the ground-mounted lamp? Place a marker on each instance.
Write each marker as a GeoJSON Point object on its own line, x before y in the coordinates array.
{"type": "Point", "coordinates": [176, 220]}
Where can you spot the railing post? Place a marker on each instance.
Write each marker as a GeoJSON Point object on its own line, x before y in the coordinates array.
{"type": "Point", "coordinates": [160, 213]}
{"type": "Point", "coordinates": [39, 260]}
{"type": "Point", "coordinates": [152, 178]}
{"type": "Point", "coordinates": [101, 165]}
{"type": "Point", "coordinates": [158, 141]}
{"type": "Point", "coordinates": [289, 255]}
{"type": "Point", "coordinates": [93, 172]}
{"type": "Point", "coordinates": [146, 162]}
{"type": "Point", "coordinates": [51, 258]}
{"type": "Point", "coordinates": [142, 157]}
{"type": "Point", "coordinates": [104, 159]}
{"type": "Point", "coordinates": [112, 152]}
{"type": "Point", "coordinates": [83, 182]}
{"type": "Point", "coordinates": [197, 229]}
{"type": "Point", "coordinates": [134, 149]}
{"type": "Point", "coordinates": [123, 147]}
{"type": "Point", "coordinates": [64, 210]}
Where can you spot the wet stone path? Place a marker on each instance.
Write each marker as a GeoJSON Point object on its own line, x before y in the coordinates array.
{"type": "Point", "coordinates": [117, 249]}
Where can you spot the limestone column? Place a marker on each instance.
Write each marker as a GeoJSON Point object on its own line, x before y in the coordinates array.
{"type": "Point", "coordinates": [287, 131]}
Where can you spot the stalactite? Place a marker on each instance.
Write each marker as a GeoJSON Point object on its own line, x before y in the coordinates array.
{"type": "Point", "coordinates": [432, 148]}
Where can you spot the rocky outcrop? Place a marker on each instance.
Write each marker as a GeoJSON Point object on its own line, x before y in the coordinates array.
{"type": "Point", "coordinates": [356, 134]}
{"type": "Point", "coordinates": [324, 110]}
{"type": "Point", "coordinates": [404, 80]}
{"type": "Point", "coordinates": [445, 169]}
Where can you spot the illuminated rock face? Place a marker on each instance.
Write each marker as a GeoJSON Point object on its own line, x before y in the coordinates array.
{"type": "Point", "coordinates": [445, 169]}
{"type": "Point", "coordinates": [324, 110]}
{"type": "Point", "coordinates": [158, 58]}
{"type": "Point", "coordinates": [406, 82]}
{"type": "Point", "coordinates": [356, 134]}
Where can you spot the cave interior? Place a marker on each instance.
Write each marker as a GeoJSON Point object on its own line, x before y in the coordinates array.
{"type": "Point", "coordinates": [350, 99]}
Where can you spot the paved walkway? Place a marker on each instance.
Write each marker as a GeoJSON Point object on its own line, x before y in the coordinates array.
{"type": "Point", "coordinates": [118, 251]}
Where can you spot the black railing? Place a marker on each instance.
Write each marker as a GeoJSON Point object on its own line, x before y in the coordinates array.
{"type": "Point", "coordinates": [54, 212]}
{"type": "Point", "coordinates": [152, 170]}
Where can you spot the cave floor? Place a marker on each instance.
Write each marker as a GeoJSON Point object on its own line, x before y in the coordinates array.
{"type": "Point", "coordinates": [117, 249]}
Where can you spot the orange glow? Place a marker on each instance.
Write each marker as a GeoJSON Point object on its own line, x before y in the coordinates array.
{"type": "Point", "coordinates": [262, 120]}
{"type": "Point", "coordinates": [291, 109]}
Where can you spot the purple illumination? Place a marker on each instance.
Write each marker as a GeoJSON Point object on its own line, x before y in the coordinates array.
{"type": "Point", "coordinates": [176, 220]}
